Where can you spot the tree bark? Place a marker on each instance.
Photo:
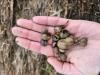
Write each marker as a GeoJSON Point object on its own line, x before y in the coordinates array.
{"type": "Point", "coordinates": [15, 60]}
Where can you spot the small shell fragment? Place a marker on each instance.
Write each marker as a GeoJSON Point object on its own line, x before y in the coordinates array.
{"type": "Point", "coordinates": [54, 44]}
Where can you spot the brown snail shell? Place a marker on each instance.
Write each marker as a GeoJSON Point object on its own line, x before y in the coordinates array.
{"type": "Point", "coordinates": [65, 43]}
{"type": "Point", "coordinates": [64, 34]}
{"type": "Point", "coordinates": [56, 52]}
{"type": "Point", "coordinates": [69, 41]}
{"type": "Point", "coordinates": [45, 37]}
{"type": "Point", "coordinates": [62, 44]}
{"type": "Point", "coordinates": [62, 57]}
{"type": "Point", "coordinates": [83, 42]}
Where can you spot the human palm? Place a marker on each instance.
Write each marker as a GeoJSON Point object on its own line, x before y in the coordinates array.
{"type": "Point", "coordinates": [80, 61]}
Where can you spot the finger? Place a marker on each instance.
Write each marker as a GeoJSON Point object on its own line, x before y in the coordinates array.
{"type": "Point", "coordinates": [47, 50]}
{"type": "Point", "coordinates": [84, 28]}
{"type": "Point", "coordinates": [27, 44]}
{"type": "Point", "coordinates": [64, 68]}
{"type": "Point", "coordinates": [28, 24]}
{"type": "Point", "coordinates": [21, 32]}
{"type": "Point", "coordinates": [56, 64]}
{"type": "Point", "coordinates": [77, 27]}
{"type": "Point", "coordinates": [46, 20]}
{"type": "Point", "coordinates": [24, 23]}
{"type": "Point", "coordinates": [72, 25]}
{"type": "Point", "coordinates": [34, 46]}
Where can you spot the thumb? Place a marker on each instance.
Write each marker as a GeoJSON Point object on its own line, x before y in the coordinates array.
{"type": "Point", "coordinates": [64, 68]}
{"type": "Point", "coordinates": [55, 63]}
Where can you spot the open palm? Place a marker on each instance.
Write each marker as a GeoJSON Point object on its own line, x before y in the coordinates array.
{"type": "Point", "coordinates": [80, 61]}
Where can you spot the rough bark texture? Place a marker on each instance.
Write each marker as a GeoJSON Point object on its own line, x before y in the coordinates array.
{"type": "Point", "coordinates": [15, 60]}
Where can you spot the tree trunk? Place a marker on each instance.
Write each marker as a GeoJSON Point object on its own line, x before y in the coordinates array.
{"type": "Point", "coordinates": [15, 60]}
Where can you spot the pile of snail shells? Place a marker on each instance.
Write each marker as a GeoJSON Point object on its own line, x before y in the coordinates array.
{"type": "Point", "coordinates": [62, 40]}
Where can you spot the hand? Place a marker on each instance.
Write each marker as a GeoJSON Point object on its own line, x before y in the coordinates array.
{"type": "Point", "coordinates": [83, 61]}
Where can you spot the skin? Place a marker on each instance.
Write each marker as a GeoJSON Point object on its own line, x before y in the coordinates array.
{"type": "Point", "coordinates": [80, 61]}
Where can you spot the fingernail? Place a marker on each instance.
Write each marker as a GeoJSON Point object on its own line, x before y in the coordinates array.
{"type": "Point", "coordinates": [17, 41]}
{"type": "Point", "coordinates": [35, 19]}
{"type": "Point", "coordinates": [19, 21]}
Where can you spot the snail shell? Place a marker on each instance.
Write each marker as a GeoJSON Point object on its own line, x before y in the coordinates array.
{"type": "Point", "coordinates": [83, 42]}
{"type": "Point", "coordinates": [43, 42]}
{"type": "Point", "coordinates": [69, 41]}
{"type": "Point", "coordinates": [45, 37]}
{"type": "Point", "coordinates": [55, 38]}
{"type": "Point", "coordinates": [64, 34]}
{"type": "Point", "coordinates": [62, 57]}
{"type": "Point", "coordinates": [62, 44]}
{"type": "Point", "coordinates": [65, 43]}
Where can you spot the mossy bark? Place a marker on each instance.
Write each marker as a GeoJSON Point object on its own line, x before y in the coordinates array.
{"type": "Point", "coordinates": [15, 60]}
